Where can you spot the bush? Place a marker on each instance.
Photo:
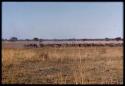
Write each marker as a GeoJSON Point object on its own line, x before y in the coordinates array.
{"type": "Point", "coordinates": [118, 38]}
{"type": "Point", "coordinates": [35, 39]}
{"type": "Point", "coordinates": [13, 39]}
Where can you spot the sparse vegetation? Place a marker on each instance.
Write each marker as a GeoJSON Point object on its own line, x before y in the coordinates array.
{"type": "Point", "coordinates": [64, 65]}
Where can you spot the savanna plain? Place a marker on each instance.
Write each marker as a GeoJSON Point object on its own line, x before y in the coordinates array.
{"type": "Point", "coordinates": [62, 65]}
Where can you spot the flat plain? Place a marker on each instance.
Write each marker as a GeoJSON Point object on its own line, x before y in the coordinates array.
{"type": "Point", "coordinates": [62, 65]}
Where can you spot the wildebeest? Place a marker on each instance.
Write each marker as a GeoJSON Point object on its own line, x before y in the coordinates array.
{"type": "Point", "coordinates": [72, 45]}
{"type": "Point", "coordinates": [31, 45]}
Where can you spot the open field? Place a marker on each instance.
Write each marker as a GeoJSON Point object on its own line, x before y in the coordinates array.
{"type": "Point", "coordinates": [64, 65]}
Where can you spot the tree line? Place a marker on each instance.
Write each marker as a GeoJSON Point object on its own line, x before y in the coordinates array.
{"type": "Point", "coordinates": [37, 39]}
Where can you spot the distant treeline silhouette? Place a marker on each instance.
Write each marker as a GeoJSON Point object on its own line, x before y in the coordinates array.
{"type": "Point", "coordinates": [37, 39]}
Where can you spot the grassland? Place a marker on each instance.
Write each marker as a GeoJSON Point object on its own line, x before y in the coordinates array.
{"type": "Point", "coordinates": [64, 65]}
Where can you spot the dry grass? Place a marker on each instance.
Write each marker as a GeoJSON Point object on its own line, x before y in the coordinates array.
{"type": "Point", "coordinates": [66, 65]}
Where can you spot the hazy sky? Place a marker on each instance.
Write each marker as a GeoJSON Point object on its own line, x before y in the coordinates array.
{"type": "Point", "coordinates": [62, 19]}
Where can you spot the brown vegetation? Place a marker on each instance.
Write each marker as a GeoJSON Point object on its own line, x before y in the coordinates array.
{"type": "Point", "coordinates": [62, 65]}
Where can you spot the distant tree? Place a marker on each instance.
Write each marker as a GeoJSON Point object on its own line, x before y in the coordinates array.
{"type": "Point", "coordinates": [118, 38]}
{"type": "Point", "coordinates": [13, 39]}
{"type": "Point", "coordinates": [84, 39]}
{"type": "Point", "coordinates": [107, 39]}
{"type": "Point", "coordinates": [35, 39]}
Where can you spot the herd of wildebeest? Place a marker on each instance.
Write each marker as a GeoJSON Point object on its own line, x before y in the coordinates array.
{"type": "Point", "coordinates": [33, 45]}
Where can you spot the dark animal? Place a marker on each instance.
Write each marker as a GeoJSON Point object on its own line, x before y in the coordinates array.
{"type": "Point", "coordinates": [31, 46]}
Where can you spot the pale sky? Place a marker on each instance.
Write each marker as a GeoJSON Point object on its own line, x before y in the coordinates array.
{"type": "Point", "coordinates": [62, 20]}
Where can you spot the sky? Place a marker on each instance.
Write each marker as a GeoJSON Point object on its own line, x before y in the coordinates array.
{"type": "Point", "coordinates": [62, 20]}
